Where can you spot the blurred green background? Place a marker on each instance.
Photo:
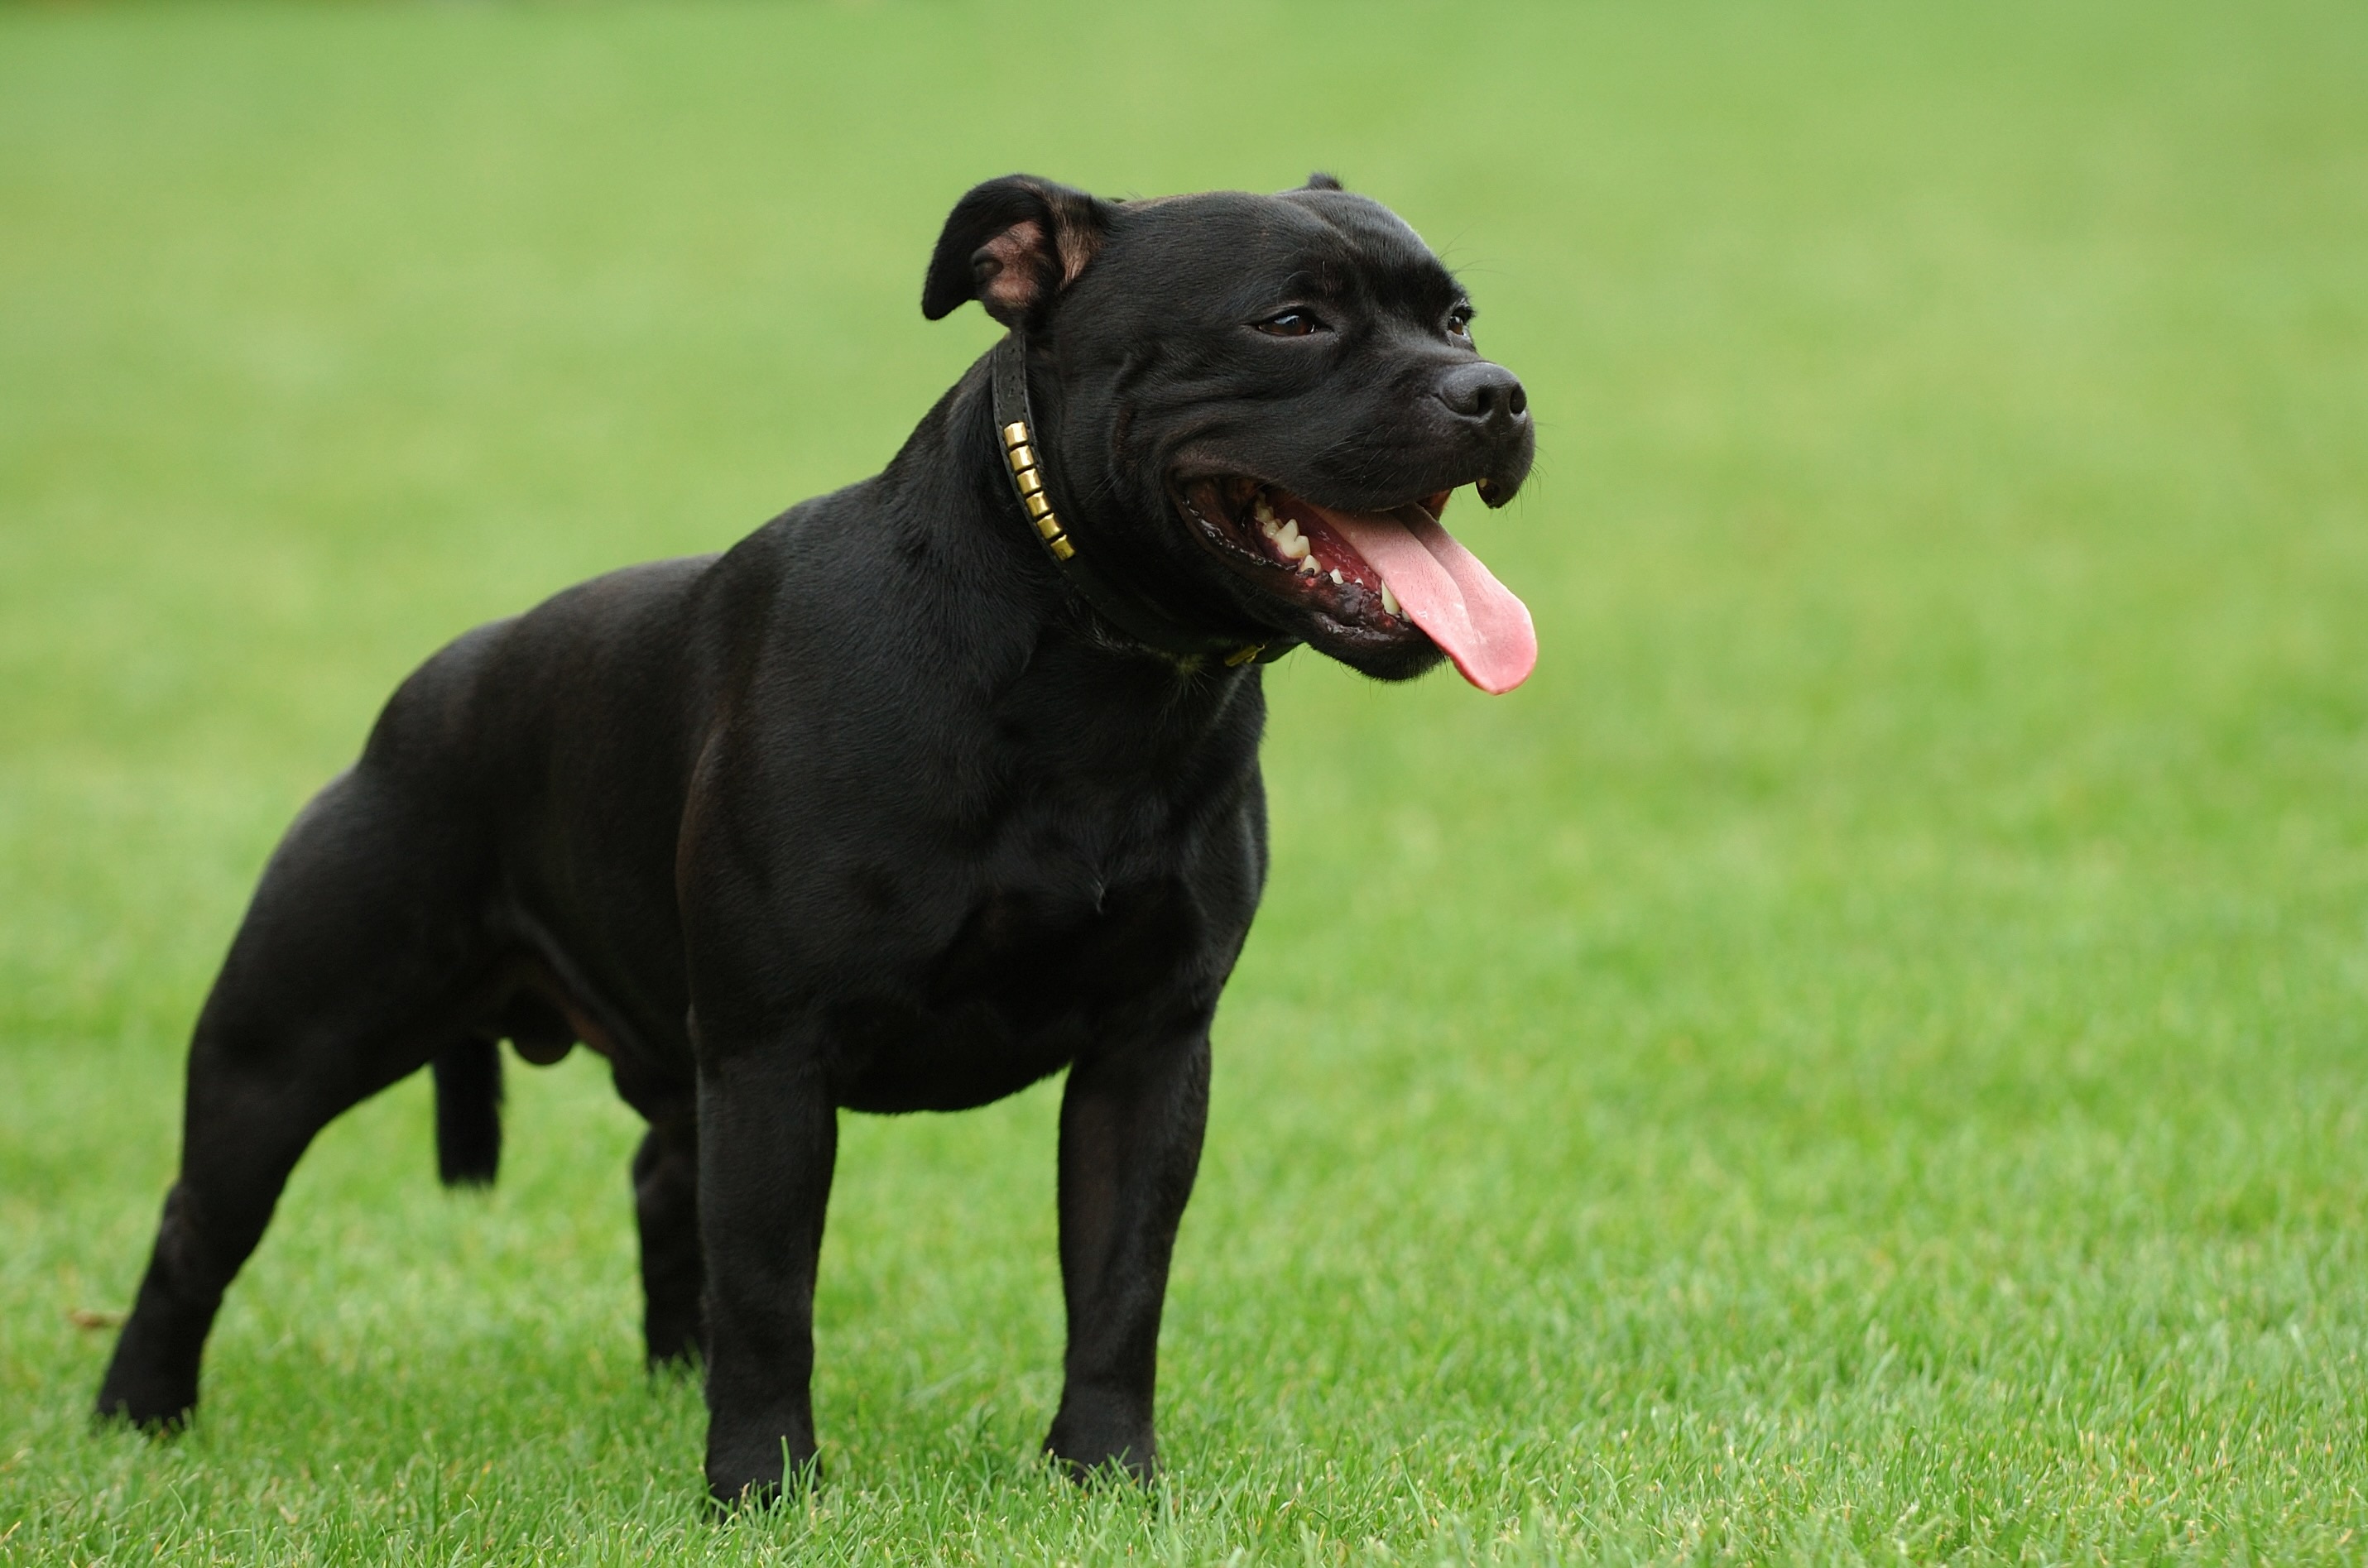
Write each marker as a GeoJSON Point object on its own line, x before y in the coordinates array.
{"type": "Point", "coordinates": [1861, 1058]}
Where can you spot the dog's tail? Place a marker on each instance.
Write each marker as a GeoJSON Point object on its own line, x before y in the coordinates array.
{"type": "Point", "coordinates": [469, 1112]}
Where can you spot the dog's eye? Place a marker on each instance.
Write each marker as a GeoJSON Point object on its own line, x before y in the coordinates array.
{"type": "Point", "coordinates": [1459, 323]}
{"type": "Point", "coordinates": [1291, 323]}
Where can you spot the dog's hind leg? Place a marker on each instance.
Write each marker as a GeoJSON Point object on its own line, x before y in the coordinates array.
{"type": "Point", "coordinates": [356, 963]}
{"type": "Point", "coordinates": [674, 1270]}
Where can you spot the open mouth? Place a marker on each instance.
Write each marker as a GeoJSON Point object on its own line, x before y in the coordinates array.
{"type": "Point", "coordinates": [1371, 576]}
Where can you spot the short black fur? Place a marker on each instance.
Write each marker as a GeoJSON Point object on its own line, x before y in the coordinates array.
{"type": "Point", "coordinates": [868, 813]}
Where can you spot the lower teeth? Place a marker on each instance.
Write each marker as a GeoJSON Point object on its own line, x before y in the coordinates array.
{"type": "Point", "coordinates": [1272, 526]}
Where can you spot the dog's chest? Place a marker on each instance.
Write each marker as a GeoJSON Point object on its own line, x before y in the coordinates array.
{"type": "Point", "coordinates": [1032, 975]}
{"type": "Point", "coordinates": [1074, 875]}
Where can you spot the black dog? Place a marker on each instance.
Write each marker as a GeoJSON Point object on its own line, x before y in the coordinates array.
{"type": "Point", "coordinates": [925, 790]}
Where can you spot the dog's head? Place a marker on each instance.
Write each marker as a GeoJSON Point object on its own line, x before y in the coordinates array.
{"type": "Point", "coordinates": [1262, 403]}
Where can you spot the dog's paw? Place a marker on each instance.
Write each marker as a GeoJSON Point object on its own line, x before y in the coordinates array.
{"type": "Point", "coordinates": [730, 1494]}
{"type": "Point", "coordinates": [1087, 1451]}
{"type": "Point", "coordinates": [158, 1413]}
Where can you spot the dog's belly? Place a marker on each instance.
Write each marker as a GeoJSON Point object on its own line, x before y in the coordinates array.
{"type": "Point", "coordinates": [1029, 983]}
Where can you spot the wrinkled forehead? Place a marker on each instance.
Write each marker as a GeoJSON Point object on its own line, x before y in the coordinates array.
{"type": "Point", "coordinates": [1226, 253]}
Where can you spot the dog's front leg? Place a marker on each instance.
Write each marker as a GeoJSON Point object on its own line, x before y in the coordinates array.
{"type": "Point", "coordinates": [1131, 1127]}
{"type": "Point", "coordinates": [768, 1136]}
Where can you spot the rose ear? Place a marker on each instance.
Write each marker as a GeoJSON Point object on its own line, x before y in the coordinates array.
{"type": "Point", "coordinates": [1319, 180]}
{"type": "Point", "coordinates": [1013, 245]}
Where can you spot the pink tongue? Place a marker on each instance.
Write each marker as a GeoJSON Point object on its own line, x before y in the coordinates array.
{"type": "Point", "coordinates": [1442, 588]}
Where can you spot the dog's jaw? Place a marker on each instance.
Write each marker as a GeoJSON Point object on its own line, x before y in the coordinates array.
{"type": "Point", "coordinates": [1279, 544]}
{"type": "Point", "coordinates": [1335, 574]}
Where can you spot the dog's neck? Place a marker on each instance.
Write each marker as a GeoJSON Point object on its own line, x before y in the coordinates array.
{"type": "Point", "coordinates": [1080, 564]}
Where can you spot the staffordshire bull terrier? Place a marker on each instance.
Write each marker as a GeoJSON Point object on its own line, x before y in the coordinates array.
{"type": "Point", "coordinates": [926, 789]}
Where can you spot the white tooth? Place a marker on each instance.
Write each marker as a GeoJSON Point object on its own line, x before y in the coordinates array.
{"type": "Point", "coordinates": [1389, 600]}
{"type": "Point", "coordinates": [1310, 566]}
{"type": "Point", "coordinates": [1335, 575]}
{"type": "Point", "coordinates": [1291, 543]}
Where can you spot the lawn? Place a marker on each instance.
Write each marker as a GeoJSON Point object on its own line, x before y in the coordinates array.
{"type": "Point", "coordinates": [1864, 1058]}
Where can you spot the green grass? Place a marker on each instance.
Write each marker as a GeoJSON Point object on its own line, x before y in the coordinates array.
{"type": "Point", "coordinates": [1864, 1058]}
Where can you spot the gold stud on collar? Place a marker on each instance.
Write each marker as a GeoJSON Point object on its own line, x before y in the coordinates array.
{"type": "Point", "coordinates": [1020, 454]}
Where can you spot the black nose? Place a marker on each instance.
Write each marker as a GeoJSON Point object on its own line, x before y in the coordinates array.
{"type": "Point", "coordinates": [1488, 394]}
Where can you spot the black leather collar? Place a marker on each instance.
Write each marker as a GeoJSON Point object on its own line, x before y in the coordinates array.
{"type": "Point", "coordinates": [1130, 611]}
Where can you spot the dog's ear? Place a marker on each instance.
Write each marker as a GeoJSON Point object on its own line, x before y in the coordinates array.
{"type": "Point", "coordinates": [1013, 245]}
{"type": "Point", "coordinates": [1319, 180]}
